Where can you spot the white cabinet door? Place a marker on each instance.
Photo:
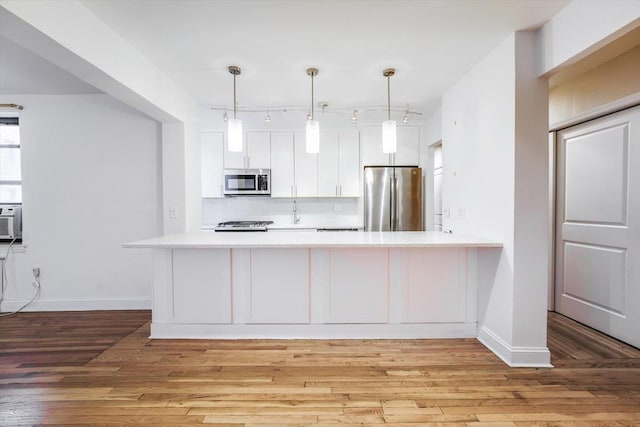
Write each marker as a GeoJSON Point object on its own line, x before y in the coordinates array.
{"type": "Point", "coordinates": [371, 142]}
{"type": "Point", "coordinates": [201, 286]}
{"type": "Point", "coordinates": [306, 168]}
{"type": "Point", "coordinates": [434, 288]}
{"type": "Point", "coordinates": [279, 288]}
{"type": "Point", "coordinates": [282, 166]}
{"type": "Point", "coordinates": [329, 164]}
{"type": "Point", "coordinates": [232, 159]}
{"type": "Point", "coordinates": [258, 150]}
{"type": "Point", "coordinates": [349, 163]}
{"type": "Point", "coordinates": [256, 153]}
{"type": "Point", "coordinates": [408, 153]}
{"type": "Point", "coordinates": [339, 164]}
{"type": "Point", "coordinates": [211, 163]}
{"type": "Point", "coordinates": [358, 288]}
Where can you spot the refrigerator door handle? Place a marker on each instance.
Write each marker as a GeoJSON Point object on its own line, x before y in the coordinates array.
{"type": "Point", "coordinates": [396, 217]}
{"type": "Point", "coordinates": [394, 205]}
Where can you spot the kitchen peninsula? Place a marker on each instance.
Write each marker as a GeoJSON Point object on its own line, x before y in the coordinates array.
{"type": "Point", "coordinates": [315, 285]}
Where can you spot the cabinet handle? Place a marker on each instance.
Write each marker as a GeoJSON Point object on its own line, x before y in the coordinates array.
{"type": "Point", "coordinates": [340, 190]}
{"type": "Point", "coordinates": [295, 190]}
{"type": "Point", "coordinates": [221, 190]}
{"type": "Point", "coordinates": [337, 194]}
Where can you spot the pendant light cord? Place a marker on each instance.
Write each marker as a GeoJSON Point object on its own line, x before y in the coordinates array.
{"type": "Point", "coordinates": [389, 97]}
{"type": "Point", "coordinates": [235, 104]}
{"type": "Point", "coordinates": [312, 108]}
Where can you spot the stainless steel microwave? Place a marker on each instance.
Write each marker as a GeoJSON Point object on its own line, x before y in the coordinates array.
{"type": "Point", "coordinates": [247, 182]}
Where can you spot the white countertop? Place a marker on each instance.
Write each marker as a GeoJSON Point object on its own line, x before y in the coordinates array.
{"type": "Point", "coordinates": [311, 239]}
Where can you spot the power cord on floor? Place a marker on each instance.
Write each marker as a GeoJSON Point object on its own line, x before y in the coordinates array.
{"type": "Point", "coordinates": [4, 281]}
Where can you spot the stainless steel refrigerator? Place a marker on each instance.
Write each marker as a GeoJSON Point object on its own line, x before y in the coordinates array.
{"type": "Point", "coordinates": [393, 198]}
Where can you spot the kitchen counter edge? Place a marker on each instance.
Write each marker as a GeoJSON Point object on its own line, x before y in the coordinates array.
{"type": "Point", "coordinates": [312, 239]}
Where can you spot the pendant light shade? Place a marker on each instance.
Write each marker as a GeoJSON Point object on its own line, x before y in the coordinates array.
{"type": "Point", "coordinates": [313, 136]}
{"type": "Point", "coordinates": [234, 126]}
{"type": "Point", "coordinates": [389, 135]}
{"type": "Point", "coordinates": [313, 126]}
{"type": "Point", "coordinates": [234, 135]}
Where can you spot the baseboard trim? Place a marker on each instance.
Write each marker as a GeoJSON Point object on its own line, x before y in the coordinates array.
{"type": "Point", "coordinates": [312, 331]}
{"type": "Point", "coordinates": [516, 357]}
{"type": "Point", "coordinates": [80, 304]}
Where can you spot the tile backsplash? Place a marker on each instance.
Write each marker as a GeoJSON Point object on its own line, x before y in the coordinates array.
{"type": "Point", "coordinates": [314, 212]}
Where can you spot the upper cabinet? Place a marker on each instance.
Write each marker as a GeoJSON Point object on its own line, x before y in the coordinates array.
{"type": "Point", "coordinates": [294, 172]}
{"type": "Point", "coordinates": [306, 168]}
{"type": "Point", "coordinates": [334, 172]}
{"type": "Point", "coordinates": [256, 153]}
{"type": "Point", "coordinates": [408, 147]}
{"type": "Point", "coordinates": [211, 163]}
{"type": "Point", "coordinates": [282, 165]}
{"type": "Point", "coordinates": [339, 164]}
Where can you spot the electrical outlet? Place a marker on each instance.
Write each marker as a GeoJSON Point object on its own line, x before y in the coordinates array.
{"type": "Point", "coordinates": [173, 212]}
{"type": "Point", "coordinates": [461, 213]}
{"type": "Point", "coordinates": [337, 208]}
{"type": "Point", "coordinates": [446, 213]}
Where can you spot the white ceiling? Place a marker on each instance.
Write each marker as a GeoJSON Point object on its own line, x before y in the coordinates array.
{"type": "Point", "coordinates": [430, 43]}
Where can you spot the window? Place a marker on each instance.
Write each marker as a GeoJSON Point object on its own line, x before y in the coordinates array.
{"type": "Point", "coordinates": [10, 172]}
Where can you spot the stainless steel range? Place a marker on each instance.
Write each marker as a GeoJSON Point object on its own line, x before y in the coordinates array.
{"type": "Point", "coordinates": [243, 226]}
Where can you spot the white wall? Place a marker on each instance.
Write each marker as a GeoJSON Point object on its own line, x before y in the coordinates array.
{"type": "Point", "coordinates": [488, 132]}
{"type": "Point", "coordinates": [431, 134]}
{"type": "Point", "coordinates": [91, 182]}
{"type": "Point", "coordinates": [51, 29]}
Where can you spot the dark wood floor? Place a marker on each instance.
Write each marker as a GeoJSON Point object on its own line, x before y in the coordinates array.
{"type": "Point", "coordinates": [99, 368]}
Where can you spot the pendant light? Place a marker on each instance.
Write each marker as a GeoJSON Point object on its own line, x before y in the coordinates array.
{"type": "Point", "coordinates": [234, 126]}
{"type": "Point", "coordinates": [313, 126]}
{"type": "Point", "coordinates": [389, 136]}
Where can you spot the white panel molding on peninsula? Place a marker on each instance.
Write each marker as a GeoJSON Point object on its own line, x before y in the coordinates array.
{"type": "Point", "coordinates": [315, 285]}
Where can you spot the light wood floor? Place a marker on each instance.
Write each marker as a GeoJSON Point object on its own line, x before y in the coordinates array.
{"type": "Point", "coordinates": [92, 368]}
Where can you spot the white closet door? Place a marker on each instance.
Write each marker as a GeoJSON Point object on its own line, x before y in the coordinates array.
{"type": "Point", "coordinates": [598, 225]}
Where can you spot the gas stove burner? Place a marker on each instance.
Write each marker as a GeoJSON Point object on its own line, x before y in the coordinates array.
{"type": "Point", "coordinates": [243, 226]}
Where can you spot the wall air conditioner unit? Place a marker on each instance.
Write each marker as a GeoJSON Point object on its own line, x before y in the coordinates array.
{"type": "Point", "coordinates": [10, 222]}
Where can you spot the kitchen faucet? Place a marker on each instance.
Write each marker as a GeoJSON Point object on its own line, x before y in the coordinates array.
{"type": "Point", "coordinates": [295, 218]}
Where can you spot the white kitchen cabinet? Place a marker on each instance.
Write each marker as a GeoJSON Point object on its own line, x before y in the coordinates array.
{"type": "Point", "coordinates": [434, 288]}
{"type": "Point", "coordinates": [349, 163]}
{"type": "Point", "coordinates": [258, 150]}
{"type": "Point", "coordinates": [211, 163]}
{"type": "Point", "coordinates": [279, 288]}
{"type": "Point", "coordinates": [408, 147]}
{"type": "Point", "coordinates": [294, 172]}
{"type": "Point", "coordinates": [201, 286]}
{"type": "Point", "coordinates": [329, 164]}
{"type": "Point", "coordinates": [358, 286]}
{"type": "Point", "coordinates": [339, 164]}
{"type": "Point", "coordinates": [306, 168]}
{"type": "Point", "coordinates": [256, 153]}
{"type": "Point", "coordinates": [282, 164]}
